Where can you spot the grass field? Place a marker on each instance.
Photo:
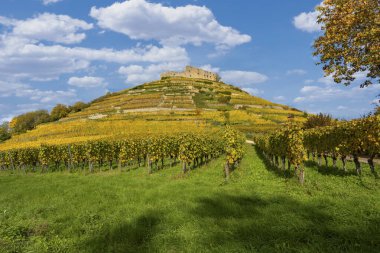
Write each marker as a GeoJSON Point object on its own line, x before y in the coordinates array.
{"type": "Point", "coordinates": [258, 210]}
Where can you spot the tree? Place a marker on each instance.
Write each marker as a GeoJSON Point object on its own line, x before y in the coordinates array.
{"type": "Point", "coordinates": [28, 121]}
{"type": "Point", "coordinates": [319, 120]}
{"type": "Point", "coordinates": [350, 44]}
{"type": "Point", "coordinates": [78, 106]}
{"type": "Point", "coordinates": [59, 111]}
{"type": "Point", "coordinates": [377, 110]}
{"type": "Point", "coordinates": [218, 78]}
{"type": "Point", "coordinates": [4, 132]}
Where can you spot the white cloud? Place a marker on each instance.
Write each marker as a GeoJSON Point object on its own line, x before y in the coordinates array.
{"type": "Point", "coordinates": [307, 22]}
{"type": "Point", "coordinates": [341, 107]}
{"type": "Point", "coordinates": [309, 81]}
{"type": "Point", "coordinates": [299, 72]}
{"type": "Point", "coordinates": [243, 78]}
{"type": "Point", "coordinates": [47, 2]}
{"type": "Point", "coordinates": [87, 82]}
{"type": "Point", "coordinates": [329, 80]}
{"type": "Point", "coordinates": [136, 74]}
{"type": "Point", "coordinates": [279, 98]}
{"type": "Point", "coordinates": [308, 89]}
{"type": "Point", "coordinates": [208, 67]}
{"type": "Point", "coordinates": [182, 25]}
{"type": "Point", "coordinates": [48, 27]}
{"type": "Point", "coordinates": [8, 89]}
{"type": "Point", "coordinates": [332, 93]}
{"type": "Point", "coordinates": [253, 91]}
{"type": "Point", "coordinates": [326, 80]}
{"type": "Point", "coordinates": [22, 60]}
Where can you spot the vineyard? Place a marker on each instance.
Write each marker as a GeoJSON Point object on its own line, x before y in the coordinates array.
{"type": "Point", "coordinates": [191, 148]}
{"type": "Point", "coordinates": [354, 138]}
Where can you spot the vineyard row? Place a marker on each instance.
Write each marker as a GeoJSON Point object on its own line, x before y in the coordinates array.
{"type": "Point", "coordinates": [348, 138]}
{"type": "Point", "coordinates": [192, 149]}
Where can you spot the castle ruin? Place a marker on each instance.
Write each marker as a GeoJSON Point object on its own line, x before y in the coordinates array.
{"type": "Point", "coordinates": [192, 72]}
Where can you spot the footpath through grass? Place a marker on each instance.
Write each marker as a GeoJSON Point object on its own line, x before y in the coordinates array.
{"type": "Point", "coordinates": [257, 211]}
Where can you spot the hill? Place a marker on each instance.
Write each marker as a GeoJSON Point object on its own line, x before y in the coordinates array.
{"type": "Point", "coordinates": [172, 102]}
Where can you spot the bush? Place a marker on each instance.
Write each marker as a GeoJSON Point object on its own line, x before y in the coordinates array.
{"type": "Point", "coordinates": [59, 111]}
{"type": "Point", "coordinates": [224, 99]}
{"type": "Point", "coordinates": [29, 121]}
{"type": "Point", "coordinates": [4, 132]}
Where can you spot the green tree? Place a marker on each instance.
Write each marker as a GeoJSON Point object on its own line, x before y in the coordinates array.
{"type": "Point", "coordinates": [28, 121]}
{"type": "Point", "coordinates": [377, 110]}
{"type": "Point", "coordinates": [4, 132]}
{"type": "Point", "coordinates": [59, 111]}
{"type": "Point", "coordinates": [78, 106]}
{"type": "Point", "coordinates": [319, 120]}
{"type": "Point", "coordinates": [218, 78]}
{"type": "Point", "coordinates": [350, 43]}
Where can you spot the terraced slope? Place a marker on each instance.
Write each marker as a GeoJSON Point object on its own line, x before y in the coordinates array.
{"type": "Point", "coordinates": [179, 98]}
{"type": "Point", "coordinates": [167, 103]}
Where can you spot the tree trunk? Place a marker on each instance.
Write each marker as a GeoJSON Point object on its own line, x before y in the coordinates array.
{"type": "Point", "coordinates": [313, 156]}
{"type": "Point", "coordinates": [343, 159]}
{"type": "Point", "coordinates": [70, 158]}
{"type": "Point", "coordinates": [90, 166]}
{"type": "Point", "coordinates": [334, 161]}
{"type": "Point", "coordinates": [308, 155]}
{"type": "Point", "coordinates": [227, 170]}
{"type": "Point", "coordinates": [149, 164]}
{"type": "Point", "coordinates": [301, 177]}
{"type": "Point", "coordinates": [184, 167]}
{"type": "Point", "coordinates": [319, 160]}
{"type": "Point", "coordinates": [110, 165]}
{"type": "Point", "coordinates": [357, 165]}
{"type": "Point", "coordinates": [326, 160]}
{"type": "Point", "coordinates": [283, 162]}
{"type": "Point", "coordinates": [289, 166]}
{"type": "Point", "coordinates": [276, 161]}
{"type": "Point", "coordinates": [371, 164]}
{"type": "Point", "coordinates": [10, 158]}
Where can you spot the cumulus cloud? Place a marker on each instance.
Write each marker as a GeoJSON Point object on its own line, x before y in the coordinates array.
{"type": "Point", "coordinates": [8, 89]}
{"type": "Point", "coordinates": [307, 22]}
{"type": "Point", "coordinates": [279, 98]}
{"type": "Point", "coordinates": [243, 78]}
{"type": "Point", "coordinates": [208, 67]}
{"type": "Point", "coordinates": [332, 93]}
{"type": "Point", "coordinates": [47, 2]}
{"type": "Point", "coordinates": [137, 74]}
{"type": "Point", "coordinates": [48, 27]}
{"type": "Point", "coordinates": [299, 72]}
{"type": "Point", "coordinates": [87, 82]}
{"type": "Point", "coordinates": [182, 25]}
{"type": "Point", "coordinates": [253, 91]}
{"type": "Point", "coordinates": [23, 60]}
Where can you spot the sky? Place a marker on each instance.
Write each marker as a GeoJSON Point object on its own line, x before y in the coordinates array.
{"type": "Point", "coordinates": [63, 51]}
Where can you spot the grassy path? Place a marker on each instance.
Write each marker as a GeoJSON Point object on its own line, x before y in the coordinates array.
{"type": "Point", "coordinates": [257, 211]}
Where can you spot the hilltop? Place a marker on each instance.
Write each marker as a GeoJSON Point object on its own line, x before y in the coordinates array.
{"type": "Point", "coordinates": [180, 98]}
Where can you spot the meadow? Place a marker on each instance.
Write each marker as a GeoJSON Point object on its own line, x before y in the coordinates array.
{"type": "Point", "coordinates": [260, 209]}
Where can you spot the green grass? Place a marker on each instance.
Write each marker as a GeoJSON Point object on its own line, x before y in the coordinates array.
{"type": "Point", "coordinates": [258, 210]}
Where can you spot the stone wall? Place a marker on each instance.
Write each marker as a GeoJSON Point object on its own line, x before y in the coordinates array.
{"type": "Point", "coordinates": [192, 72]}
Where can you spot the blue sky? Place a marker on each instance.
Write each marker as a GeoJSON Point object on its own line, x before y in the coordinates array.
{"type": "Point", "coordinates": [63, 51]}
